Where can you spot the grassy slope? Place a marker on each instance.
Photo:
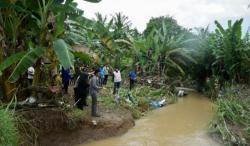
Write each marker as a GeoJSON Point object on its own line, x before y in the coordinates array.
{"type": "Point", "coordinates": [232, 119]}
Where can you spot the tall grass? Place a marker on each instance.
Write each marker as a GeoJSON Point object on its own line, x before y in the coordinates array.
{"type": "Point", "coordinates": [9, 135]}
{"type": "Point", "coordinates": [232, 119]}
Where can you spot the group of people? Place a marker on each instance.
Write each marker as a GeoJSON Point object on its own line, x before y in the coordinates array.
{"type": "Point", "coordinates": [85, 85]}
{"type": "Point", "coordinates": [92, 83]}
{"type": "Point", "coordinates": [88, 83]}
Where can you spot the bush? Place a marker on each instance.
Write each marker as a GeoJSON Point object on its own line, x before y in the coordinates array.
{"type": "Point", "coordinates": [8, 130]}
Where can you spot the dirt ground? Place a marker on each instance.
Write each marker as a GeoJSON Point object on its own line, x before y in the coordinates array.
{"type": "Point", "coordinates": [55, 128]}
{"type": "Point", "coordinates": [89, 129]}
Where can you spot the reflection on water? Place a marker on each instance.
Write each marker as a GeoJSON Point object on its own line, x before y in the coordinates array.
{"type": "Point", "coordinates": [181, 124]}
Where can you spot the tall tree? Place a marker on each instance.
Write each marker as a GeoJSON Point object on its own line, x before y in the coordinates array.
{"type": "Point", "coordinates": [174, 29]}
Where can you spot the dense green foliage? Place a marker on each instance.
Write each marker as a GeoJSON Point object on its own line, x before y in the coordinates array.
{"type": "Point", "coordinates": [231, 51]}
{"type": "Point", "coordinates": [44, 32]}
{"type": "Point", "coordinates": [38, 29]}
{"type": "Point", "coordinates": [223, 54]}
{"type": "Point", "coordinates": [8, 130]}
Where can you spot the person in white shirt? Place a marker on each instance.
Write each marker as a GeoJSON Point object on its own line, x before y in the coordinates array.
{"type": "Point", "coordinates": [31, 72]}
{"type": "Point", "coordinates": [117, 80]}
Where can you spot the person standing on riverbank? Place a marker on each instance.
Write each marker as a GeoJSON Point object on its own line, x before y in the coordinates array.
{"type": "Point", "coordinates": [132, 79]}
{"type": "Point", "coordinates": [31, 72]}
{"type": "Point", "coordinates": [102, 74]}
{"type": "Point", "coordinates": [106, 74]}
{"type": "Point", "coordinates": [66, 78]}
{"type": "Point", "coordinates": [81, 89]}
{"type": "Point", "coordinates": [117, 80]}
{"type": "Point", "coordinates": [93, 90]}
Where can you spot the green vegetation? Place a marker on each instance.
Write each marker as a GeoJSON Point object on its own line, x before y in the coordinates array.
{"type": "Point", "coordinates": [222, 55]}
{"type": "Point", "coordinates": [42, 34]}
{"type": "Point", "coordinates": [141, 98]}
{"type": "Point", "coordinates": [232, 120]}
{"type": "Point", "coordinates": [77, 114]}
{"type": "Point", "coordinates": [83, 57]}
{"type": "Point", "coordinates": [74, 116]}
{"type": "Point", "coordinates": [8, 130]}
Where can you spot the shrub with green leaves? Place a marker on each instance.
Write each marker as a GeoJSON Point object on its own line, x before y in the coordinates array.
{"type": "Point", "coordinates": [8, 131]}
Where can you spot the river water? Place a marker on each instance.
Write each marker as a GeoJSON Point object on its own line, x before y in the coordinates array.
{"type": "Point", "coordinates": [182, 124]}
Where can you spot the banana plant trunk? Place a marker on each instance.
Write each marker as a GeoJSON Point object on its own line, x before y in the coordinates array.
{"type": "Point", "coordinates": [8, 89]}
{"type": "Point", "coordinates": [37, 80]}
{"type": "Point", "coordinates": [53, 62]}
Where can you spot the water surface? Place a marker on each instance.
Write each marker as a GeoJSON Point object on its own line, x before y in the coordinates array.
{"type": "Point", "coordinates": [182, 124]}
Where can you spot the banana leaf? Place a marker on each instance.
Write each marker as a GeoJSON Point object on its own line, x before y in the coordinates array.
{"type": "Point", "coordinates": [26, 61]}
{"type": "Point", "coordinates": [63, 53]}
{"type": "Point", "coordinates": [60, 24]}
{"type": "Point", "coordinates": [11, 60]}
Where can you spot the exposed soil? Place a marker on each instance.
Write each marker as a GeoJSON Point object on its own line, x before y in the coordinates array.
{"type": "Point", "coordinates": [56, 128]}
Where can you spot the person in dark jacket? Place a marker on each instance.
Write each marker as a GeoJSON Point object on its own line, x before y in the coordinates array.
{"type": "Point", "coordinates": [81, 90]}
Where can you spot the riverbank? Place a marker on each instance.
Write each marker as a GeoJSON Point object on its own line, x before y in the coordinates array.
{"type": "Point", "coordinates": [57, 127]}
{"type": "Point", "coordinates": [230, 124]}
{"type": "Point", "coordinates": [68, 126]}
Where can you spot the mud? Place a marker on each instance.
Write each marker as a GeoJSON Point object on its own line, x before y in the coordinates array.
{"type": "Point", "coordinates": [56, 128]}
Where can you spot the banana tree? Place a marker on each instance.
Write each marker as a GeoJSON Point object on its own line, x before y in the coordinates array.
{"type": "Point", "coordinates": [231, 51]}
{"type": "Point", "coordinates": [169, 51]}
{"type": "Point", "coordinates": [41, 25]}
{"type": "Point", "coordinates": [142, 53]}
{"type": "Point", "coordinates": [11, 17]}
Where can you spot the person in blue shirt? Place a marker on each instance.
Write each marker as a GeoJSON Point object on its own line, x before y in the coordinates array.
{"type": "Point", "coordinates": [132, 78]}
{"type": "Point", "coordinates": [106, 71]}
{"type": "Point", "coordinates": [102, 75]}
{"type": "Point", "coordinates": [66, 77]}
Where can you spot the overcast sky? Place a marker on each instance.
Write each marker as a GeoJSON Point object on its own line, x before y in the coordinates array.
{"type": "Point", "coordinates": [188, 13]}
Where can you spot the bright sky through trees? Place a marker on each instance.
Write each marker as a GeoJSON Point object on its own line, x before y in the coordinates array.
{"type": "Point", "coordinates": [189, 13]}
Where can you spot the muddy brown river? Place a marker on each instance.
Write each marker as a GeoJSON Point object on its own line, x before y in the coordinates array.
{"type": "Point", "coordinates": [182, 124]}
